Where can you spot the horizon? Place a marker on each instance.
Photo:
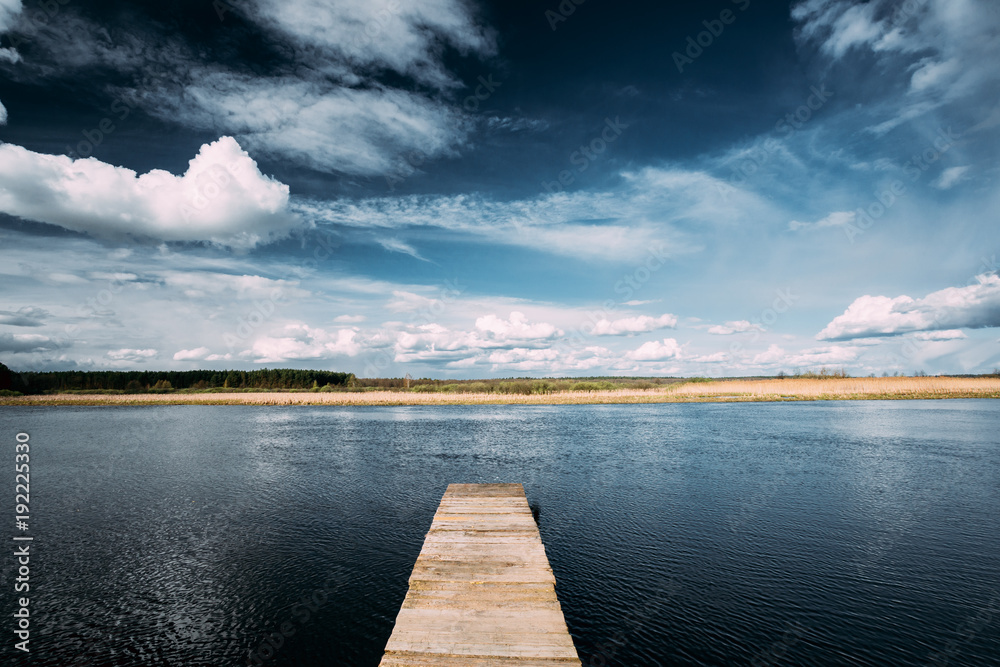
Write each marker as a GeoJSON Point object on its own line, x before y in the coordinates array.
{"type": "Point", "coordinates": [484, 190]}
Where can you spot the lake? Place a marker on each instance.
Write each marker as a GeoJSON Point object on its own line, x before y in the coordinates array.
{"type": "Point", "coordinates": [859, 533]}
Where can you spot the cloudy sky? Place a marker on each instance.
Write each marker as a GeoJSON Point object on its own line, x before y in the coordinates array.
{"type": "Point", "coordinates": [459, 188]}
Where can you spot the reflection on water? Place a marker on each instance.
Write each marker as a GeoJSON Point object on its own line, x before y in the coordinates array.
{"type": "Point", "coordinates": [861, 533]}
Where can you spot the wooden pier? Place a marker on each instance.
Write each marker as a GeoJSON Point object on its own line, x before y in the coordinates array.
{"type": "Point", "coordinates": [482, 592]}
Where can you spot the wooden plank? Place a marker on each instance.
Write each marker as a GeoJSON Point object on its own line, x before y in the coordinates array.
{"type": "Point", "coordinates": [481, 593]}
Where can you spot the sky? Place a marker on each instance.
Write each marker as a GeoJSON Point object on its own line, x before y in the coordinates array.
{"type": "Point", "coordinates": [470, 189]}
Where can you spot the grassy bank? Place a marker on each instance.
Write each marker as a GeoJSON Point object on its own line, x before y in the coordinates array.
{"type": "Point", "coordinates": [790, 389]}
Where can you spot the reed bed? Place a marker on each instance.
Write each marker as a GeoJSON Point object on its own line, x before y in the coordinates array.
{"type": "Point", "coordinates": [793, 389]}
{"type": "Point", "coordinates": [846, 388]}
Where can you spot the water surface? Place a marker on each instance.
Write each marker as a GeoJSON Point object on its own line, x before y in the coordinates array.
{"type": "Point", "coordinates": [858, 533]}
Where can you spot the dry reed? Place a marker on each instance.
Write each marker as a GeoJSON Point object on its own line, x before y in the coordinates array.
{"type": "Point", "coordinates": [713, 391]}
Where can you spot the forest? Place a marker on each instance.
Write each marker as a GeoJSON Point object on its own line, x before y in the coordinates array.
{"type": "Point", "coordinates": [136, 382]}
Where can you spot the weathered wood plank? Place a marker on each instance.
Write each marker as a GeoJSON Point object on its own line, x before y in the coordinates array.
{"type": "Point", "coordinates": [481, 593]}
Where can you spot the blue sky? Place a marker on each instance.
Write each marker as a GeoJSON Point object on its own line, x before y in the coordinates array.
{"type": "Point", "coordinates": [470, 189]}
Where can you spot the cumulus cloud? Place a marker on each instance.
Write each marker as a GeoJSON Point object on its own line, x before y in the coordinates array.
{"type": "Point", "coordinates": [523, 359]}
{"type": "Point", "coordinates": [434, 342]}
{"type": "Point", "coordinates": [222, 198]}
{"type": "Point", "coordinates": [29, 343]}
{"type": "Point", "coordinates": [729, 328]}
{"type": "Point", "coordinates": [633, 325]}
{"type": "Point", "coordinates": [972, 307]}
{"type": "Point", "coordinates": [27, 316]}
{"type": "Point", "coordinates": [298, 342]}
{"type": "Point", "coordinates": [351, 87]}
{"type": "Point", "coordinates": [656, 350]}
{"type": "Point", "coordinates": [515, 328]}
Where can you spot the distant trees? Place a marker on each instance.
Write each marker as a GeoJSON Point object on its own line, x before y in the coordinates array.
{"type": "Point", "coordinates": [6, 378]}
{"type": "Point", "coordinates": [134, 382]}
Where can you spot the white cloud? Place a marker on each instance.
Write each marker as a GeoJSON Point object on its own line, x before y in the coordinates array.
{"type": "Point", "coordinates": [432, 342]}
{"type": "Point", "coordinates": [939, 46]}
{"type": "Point", "coordinates": [129, 354]}
{"type": "Point", "coordinates": [950, 177]}
{"type": "Point", "coordinates": [948, 334]}
{"type": "Point", "coordinates": [715, 358]}
{"type": "Point", "coordinates": [66, 278]}
{"type": "Point", "coordinates": [301, 342]}
{"type": "Point", "coordinates": [656, 350]}
{"type": "Point", "coordinates": [835, 219]}
{"type": "Point", "coordinates": [774, 354]}
{"type": "Point", "coordinates": [9, 11]}
{"type": "Point", "coordinates": [933, 73]}
{"type": "Point", "coordinates": [354, 86]}
{"type": "Point", "coordinates": [523, 359]}
{"type": "Point", "coordinates": [515, 328]}
{"type": "Point", "coordinates": [739, 326]}
{"type": "Point", "coordinates": [196, 284]}
{"type": "Point", "coordinates": [349, 319]}
{"type": "Point", "coordinates": [222, 198]}
{"type": "Point", "coordinates": [28, 343]}
{"type": "Point", "coordinates": [833, 355]}
{"type": "Point", "coordinates": [197, 354]}
{"type": "Point", "coordinates": [374, 131]}
{"type": "Point", "coordinates": [973, 307]}
{"type": "Point", "coordinates": [639, 220]}
{"type": "Point", "coordinates": [405, 37]}
{"type": "Point", "coordinates": [27, 316]}
{"type": "Point", "coordinates": [633, 325]}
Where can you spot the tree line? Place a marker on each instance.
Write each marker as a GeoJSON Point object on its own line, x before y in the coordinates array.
{"type": "Point", "coordinates": [141, 381]}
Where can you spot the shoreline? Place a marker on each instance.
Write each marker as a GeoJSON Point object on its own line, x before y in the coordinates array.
{"type": "Point", "coordinates": [724, 391]}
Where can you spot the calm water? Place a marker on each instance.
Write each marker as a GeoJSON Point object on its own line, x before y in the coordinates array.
{"type": "Point", "coordinates": [857, 533]}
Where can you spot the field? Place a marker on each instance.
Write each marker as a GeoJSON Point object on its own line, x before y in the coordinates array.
{"type": "Point", "coordinates": [789, 389]}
